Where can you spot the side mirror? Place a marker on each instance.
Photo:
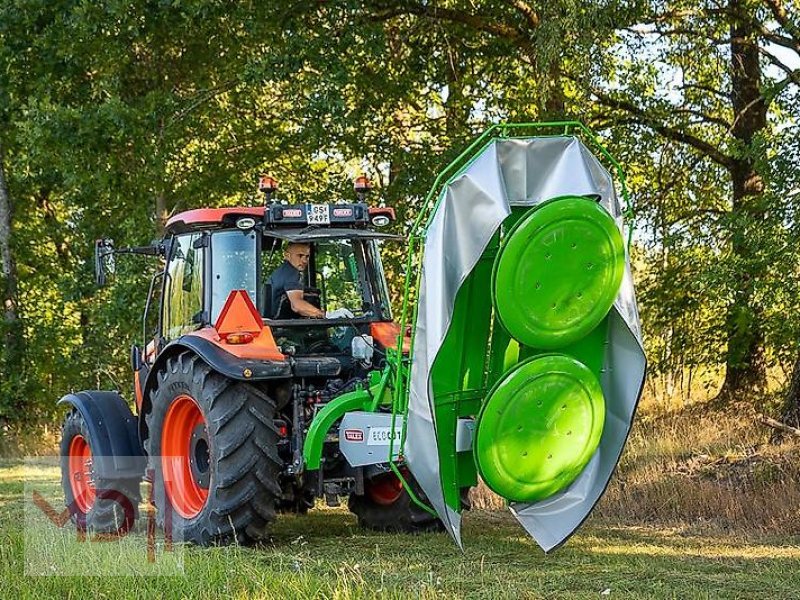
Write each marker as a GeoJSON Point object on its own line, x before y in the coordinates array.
{"type": "Point", "coordinates": [103, 260]}
{"type": "Point", "coordinates": [136, 358]}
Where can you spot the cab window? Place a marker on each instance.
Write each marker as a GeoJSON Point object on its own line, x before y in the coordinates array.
{"type": "Point", "coordinates": [233, 267]}
{"type": "Point", "coordinates": [183, 288]}
{"type": "Point", "coordinates": [339, 276]}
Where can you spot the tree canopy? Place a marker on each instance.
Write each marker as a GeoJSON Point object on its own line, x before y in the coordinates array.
{"type": "Point", "coordinates": [114, 115]}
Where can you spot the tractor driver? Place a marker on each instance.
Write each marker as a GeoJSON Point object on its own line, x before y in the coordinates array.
{"type": "Point", "coordinates": [287, 282]}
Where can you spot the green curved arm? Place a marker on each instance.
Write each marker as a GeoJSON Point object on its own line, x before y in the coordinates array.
{"type": "Point", "coordinates": [368, 400]}
{"type": "Point", "coordinates": [333, 411]}
{"type": "Point", "coordinates": [325, 418]}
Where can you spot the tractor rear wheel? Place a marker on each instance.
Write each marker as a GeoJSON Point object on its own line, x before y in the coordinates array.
{"type": "Point", "coordinates": [213, 450]}
{"type": "Point", "coordinates": [96, 504]}
{"type": "Point", "coordinates": [387, 506]}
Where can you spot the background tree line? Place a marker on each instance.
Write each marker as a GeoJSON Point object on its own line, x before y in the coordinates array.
{"type": "Point", "coordinates": [114, 115]}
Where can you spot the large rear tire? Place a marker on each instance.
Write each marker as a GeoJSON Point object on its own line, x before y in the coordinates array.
{"type": "Point", "coordinates": [387, 506]}
{"type": "Point", "coordinates": [101, 505]}
{"type": "Point", "coordinates": [213, 451]}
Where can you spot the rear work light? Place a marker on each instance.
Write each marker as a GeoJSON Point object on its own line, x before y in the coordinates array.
{"type": "Point", "coordinates": [381, 216]}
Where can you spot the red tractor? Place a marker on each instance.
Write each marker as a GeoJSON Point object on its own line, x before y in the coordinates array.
{"type": "Point", "coordinates": [250, 356]}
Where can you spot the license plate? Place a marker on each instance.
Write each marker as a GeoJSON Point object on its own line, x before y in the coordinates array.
{"type": "Point", "coordinates": [319, 214]}
{"type": "Point", "coordinates": [381, 436]}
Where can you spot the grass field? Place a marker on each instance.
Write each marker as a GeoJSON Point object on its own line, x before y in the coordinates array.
{"type": "Point", "coordinates": [326, 555]}
{"type": "Point", "coordinates": [702, 506]}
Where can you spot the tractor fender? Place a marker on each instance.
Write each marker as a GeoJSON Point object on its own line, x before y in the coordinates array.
{"type": "Point", "coordinates": [116, 451]}
{"type": "Point", "coordinates": [216, 358]}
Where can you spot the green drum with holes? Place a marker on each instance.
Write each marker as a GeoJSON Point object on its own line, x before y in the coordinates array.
{"type": "Point", "coordinates": [559, 272]}
{"type": "Point", "coordinates": [539, 427]}
{"type": "Point", "coordinates": [554, 280]}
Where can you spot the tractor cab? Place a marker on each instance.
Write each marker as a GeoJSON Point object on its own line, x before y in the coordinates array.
{"type": "Point", "coordinates": [214, 252]}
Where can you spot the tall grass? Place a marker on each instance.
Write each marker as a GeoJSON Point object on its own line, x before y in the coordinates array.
{"type": "Point", "coordinates": [700, 469]}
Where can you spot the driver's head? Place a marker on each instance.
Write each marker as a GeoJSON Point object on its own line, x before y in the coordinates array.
{"type": "Point", "coordinates": [297, 254]}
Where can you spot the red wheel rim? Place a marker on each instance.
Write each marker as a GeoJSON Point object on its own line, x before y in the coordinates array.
{"type": "Point", "coordinates": [385, 489]}
{"type": "Point", "coordinates": [80, 473]}
{"type": "Point", "coordinates": [183, 459]}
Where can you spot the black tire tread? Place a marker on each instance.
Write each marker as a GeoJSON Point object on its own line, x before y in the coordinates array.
{"type": "Point", "coordinates": [402, 516]}
{"type": "Point", "coordinates": [106, 516]}
{"type": "Point", "coordinates": [241, 501]}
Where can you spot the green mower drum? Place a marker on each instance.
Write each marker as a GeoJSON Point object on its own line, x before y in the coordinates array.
{"type": "Point", "coordinates": [539, 427]}
{"type": "Point", "coordinates": [559, 272]}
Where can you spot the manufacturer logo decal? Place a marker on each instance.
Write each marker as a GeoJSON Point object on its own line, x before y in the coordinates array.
{"type": "Point", "coordinates": [291, 213]}
{"type": "Point", "coordinates": [353, 435]}
{"type": "Point", "coordinates": [342, 212]}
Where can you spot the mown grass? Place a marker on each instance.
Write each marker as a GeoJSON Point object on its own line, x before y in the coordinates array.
{"type": "Point", "coordinates": [703, 506]}
{"type": "Point", "coordinates": [326, 555]}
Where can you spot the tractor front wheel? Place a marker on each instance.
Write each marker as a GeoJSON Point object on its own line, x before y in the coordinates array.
{"type": "Point", "coordinates": [387, 506]}
{"type": "Point", "coordinates": [97, 504]}
{"type": "Point", "coordinates": [213, 450]}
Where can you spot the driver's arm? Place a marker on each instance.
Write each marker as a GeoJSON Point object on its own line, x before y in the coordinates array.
{"type": "Point", "coordinates": [301, 306]}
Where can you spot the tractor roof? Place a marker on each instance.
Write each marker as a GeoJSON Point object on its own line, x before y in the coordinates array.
{"type": "Point", "coordinates": [280, 216]}
{"type": "Point", "coordinates": [202, 218]}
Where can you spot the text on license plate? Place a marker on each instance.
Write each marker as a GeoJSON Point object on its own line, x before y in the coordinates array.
{"type": "Point", "coordinates": [319, 214]}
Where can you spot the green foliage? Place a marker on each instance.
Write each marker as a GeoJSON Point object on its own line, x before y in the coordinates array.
{"type": "Point", "coordinates": [114, 115]}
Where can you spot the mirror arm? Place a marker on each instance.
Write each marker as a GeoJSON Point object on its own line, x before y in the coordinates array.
{"type": "Point", "coordinates": [157, 249]}
{"type": "Point", "coordinates": [104, 252]}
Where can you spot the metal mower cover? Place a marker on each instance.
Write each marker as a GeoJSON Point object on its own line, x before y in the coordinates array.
{"type": "Point", "coordinates": [526, 319]}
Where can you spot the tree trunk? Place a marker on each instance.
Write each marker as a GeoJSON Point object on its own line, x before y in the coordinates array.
{"type": "Point", "coordinates": [57, 238]}
{"type": "Point", "coordinates": [791, 406]}
{"type": "Point", "coordinates": [745, 372]}
{"type": "Point", "coordinates": [457, 107]}
{"type": "Point", "coordinates": [555, 106]}
{"type": "Point", "coordinates": [11, 353]}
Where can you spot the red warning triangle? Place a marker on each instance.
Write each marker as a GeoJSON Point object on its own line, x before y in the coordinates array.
{"type": "Point", "coordinates": [239, 315]}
